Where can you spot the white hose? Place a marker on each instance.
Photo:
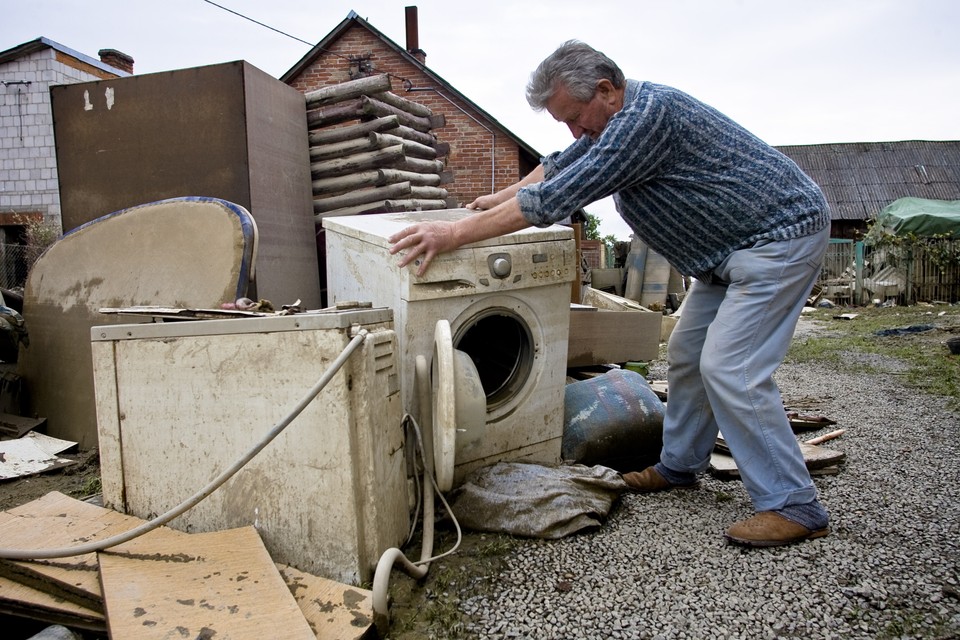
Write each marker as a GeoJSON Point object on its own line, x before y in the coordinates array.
{"type": "Point", "coordinates": [44, 554]}
{"type": "Point", "coordinates": [392, 556]}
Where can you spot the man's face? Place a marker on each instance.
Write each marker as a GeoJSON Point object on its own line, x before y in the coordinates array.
{"type": "Point", "coordinates": [585, 118]}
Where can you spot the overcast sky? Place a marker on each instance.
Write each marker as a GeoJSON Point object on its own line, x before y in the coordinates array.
{"type": "Point", "coordinates": [793, 72]}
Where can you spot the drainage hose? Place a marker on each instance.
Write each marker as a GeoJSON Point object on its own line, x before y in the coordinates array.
{"type": "Point", "coordinates": [189, 503]}
{"type": "Point", "coordinates": [392, 556]}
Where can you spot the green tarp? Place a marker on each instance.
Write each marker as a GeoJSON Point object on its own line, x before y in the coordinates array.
{"type": "Point", "coordinates": [921, 217]}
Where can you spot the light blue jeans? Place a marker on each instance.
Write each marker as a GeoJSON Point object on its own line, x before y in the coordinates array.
{"type": "Point", "coordinates": [732, 335]}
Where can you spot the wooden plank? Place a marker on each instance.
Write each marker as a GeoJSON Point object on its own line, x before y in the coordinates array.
{"type": "Point", "coordinates": [333, 609]}
{"type": "Point", "coordinates": [219, 584]}
{"type": "Point", "coordinates": [819, 460]}
{"type": "Point", "coordinates": [604, 337]}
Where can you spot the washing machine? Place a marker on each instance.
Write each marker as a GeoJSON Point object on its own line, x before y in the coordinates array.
{"type": "Point", "coordinates": [180, 401]}
{"type": "Point", "coordinates": [506, 305]}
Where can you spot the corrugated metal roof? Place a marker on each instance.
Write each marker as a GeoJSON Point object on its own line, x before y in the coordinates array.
{"type": "Point", "coordinates": [861, 178]}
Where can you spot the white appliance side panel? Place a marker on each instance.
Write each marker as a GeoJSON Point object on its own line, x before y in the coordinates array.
{"type": "Point", "coordinates": [190, 407]}
{"type": "Point", "coordinates": [380, 462]}
{"type": "Point", "coordinates": [108, 424]}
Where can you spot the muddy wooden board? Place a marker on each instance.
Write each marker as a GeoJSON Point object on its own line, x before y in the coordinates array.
{"type": "Point", "coordinates": [817, 459]}
{"type": "Point", "coordinates": [26, 602]}
{"type": "Point", "coordinates": [333, 610]}
{"type": "Point", "coordinates": [220, 584]}
{"type": "Point", "coordinates": [56, 521]}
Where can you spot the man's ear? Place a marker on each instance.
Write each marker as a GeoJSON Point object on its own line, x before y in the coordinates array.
{"type": "Point", "coordinates": [606, 90]}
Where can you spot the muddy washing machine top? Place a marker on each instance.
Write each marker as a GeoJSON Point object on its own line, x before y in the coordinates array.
{"type": "Point", "coordinates": [507, 302]}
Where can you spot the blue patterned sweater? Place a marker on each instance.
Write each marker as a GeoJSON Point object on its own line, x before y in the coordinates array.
{"type": "Point", "coordinates": [691, 183]}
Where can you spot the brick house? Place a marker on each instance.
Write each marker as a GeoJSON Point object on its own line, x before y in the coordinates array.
{"type": "Point", "coordinates": [29, 189]}
{"type": "Point", "coordinates": [484, 156]}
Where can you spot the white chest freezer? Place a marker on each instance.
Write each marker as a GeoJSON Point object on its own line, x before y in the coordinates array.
{"type": "Point", "coordinates": [178, 402]}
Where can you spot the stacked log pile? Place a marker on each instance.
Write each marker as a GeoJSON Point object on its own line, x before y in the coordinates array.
{"type": "Point", "coordinates": [372, 151]}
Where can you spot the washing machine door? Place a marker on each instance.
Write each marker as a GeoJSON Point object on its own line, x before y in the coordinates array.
{"type": "Point", "coordinates": [458, 403]}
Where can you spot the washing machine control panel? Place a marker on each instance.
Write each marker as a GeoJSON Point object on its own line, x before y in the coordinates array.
{"type": "Point", "coordinates": [528, 265]}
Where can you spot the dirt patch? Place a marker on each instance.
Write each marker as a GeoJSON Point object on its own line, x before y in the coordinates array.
{"type": "Point", "coordinates": [80, 481]}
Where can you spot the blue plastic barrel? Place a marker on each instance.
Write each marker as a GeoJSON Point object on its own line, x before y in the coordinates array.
{"type": "Point", "coordinates": [614, 419]}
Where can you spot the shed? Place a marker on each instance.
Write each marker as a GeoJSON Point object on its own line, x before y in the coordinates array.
{"type": "Point", "coordinates": [859, 179]}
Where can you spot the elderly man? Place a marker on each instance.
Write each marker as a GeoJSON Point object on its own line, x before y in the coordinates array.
{"type": "Point", "coordinates": [721, 206]}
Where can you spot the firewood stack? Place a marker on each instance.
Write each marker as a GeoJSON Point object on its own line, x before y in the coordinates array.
{"type": "Point", "coordinates": [385, 161]}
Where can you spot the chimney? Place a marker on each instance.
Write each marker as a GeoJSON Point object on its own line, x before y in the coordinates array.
{"type": "Point", "coordinates": [413, 36]}
{"type": "Point", "coordinates": [116, 59]}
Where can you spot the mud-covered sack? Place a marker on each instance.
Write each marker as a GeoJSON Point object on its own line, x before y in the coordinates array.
{"type": "Point", "coordinates": [536, 501]}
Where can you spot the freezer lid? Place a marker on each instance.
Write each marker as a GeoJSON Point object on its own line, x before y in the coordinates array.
{"type": "Point", "coordinates": [375, 228]}
{"type": "Point", "coordinates": [307, 321]}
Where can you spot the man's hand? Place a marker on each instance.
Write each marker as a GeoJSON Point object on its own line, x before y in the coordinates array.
{"type": "Point", "coordinates": [426, 239]}
{"type": "Point", "coordinates": [488, 201]}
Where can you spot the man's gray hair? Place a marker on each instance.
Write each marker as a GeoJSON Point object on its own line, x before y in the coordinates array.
{"type": "Point", "coordinates": [578, 67]}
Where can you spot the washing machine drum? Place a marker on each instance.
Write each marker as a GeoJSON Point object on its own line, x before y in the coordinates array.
{"type": "Point", "coordinates": [457, 402]}
{"type": "Point", "coordinates": [500, 343]}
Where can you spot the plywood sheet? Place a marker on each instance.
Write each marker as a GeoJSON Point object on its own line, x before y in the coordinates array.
{"type": "Point", "coordinates": [220, 584]}
{"type": "Point", "coordinates": [333, 610]}
{"type": "Point", "coordinates": [56, 521]}
{"type": "Point", "coordinates": [26, 602]}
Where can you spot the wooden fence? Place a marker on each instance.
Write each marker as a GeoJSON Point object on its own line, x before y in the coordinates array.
{"type": "Point", "coordinates": [856, 273]}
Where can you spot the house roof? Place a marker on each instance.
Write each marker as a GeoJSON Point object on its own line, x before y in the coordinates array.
{"type": "Point", "coordinates": [861, 178]}
{"type": "Point", "coordinates": [353, 20]}
{"type": "Point", "coordinates": [21, 50]}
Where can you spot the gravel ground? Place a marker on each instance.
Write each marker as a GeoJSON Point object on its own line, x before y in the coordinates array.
{"type": "Point", "coordinates": [659, 567]}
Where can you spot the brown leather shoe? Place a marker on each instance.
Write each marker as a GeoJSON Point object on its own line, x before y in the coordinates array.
{"type": "Point", "coordinates": [770, 529]}
{"type": "Point", "coordinates": [649, 481]}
